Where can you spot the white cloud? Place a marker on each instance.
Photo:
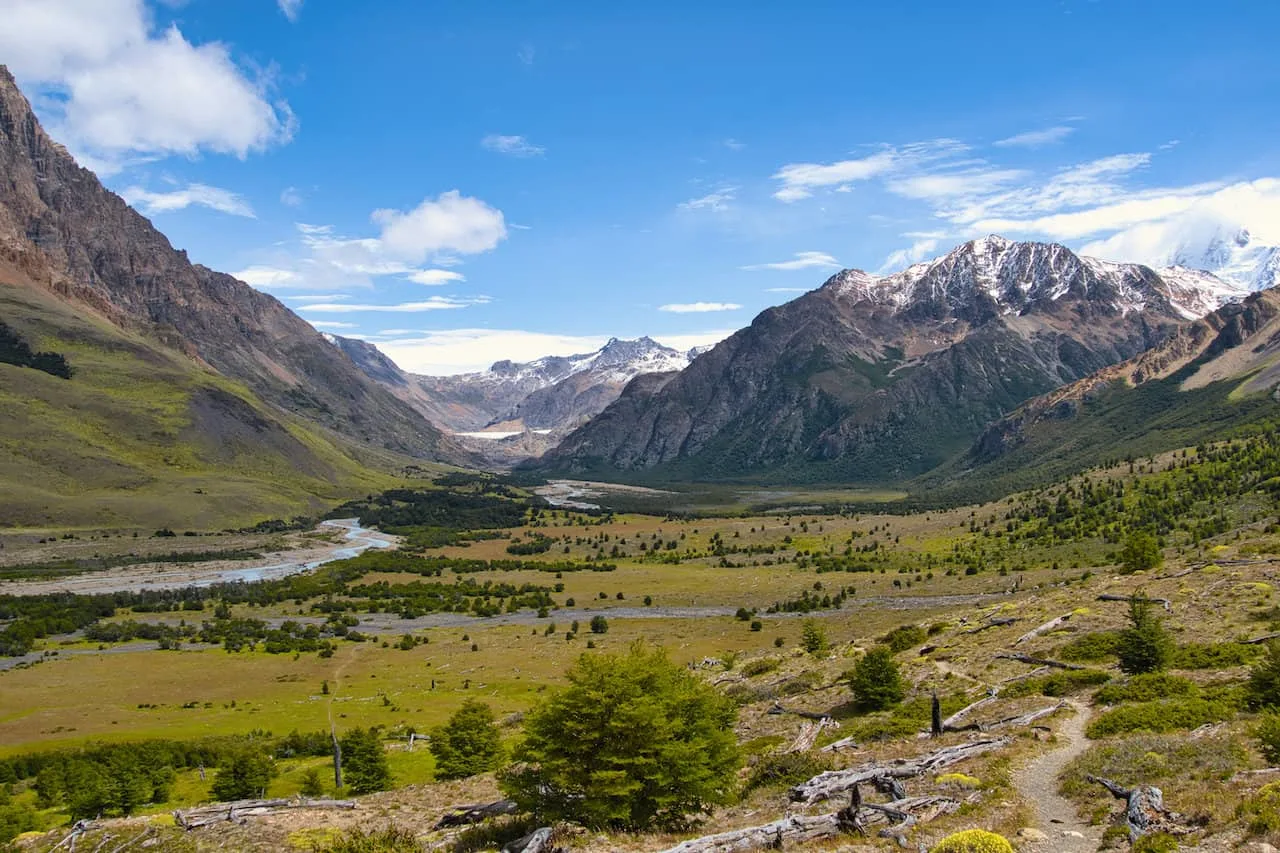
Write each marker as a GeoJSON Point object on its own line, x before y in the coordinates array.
{"type": "Point", "coordinates": [332, 324]}
{"type": "Point", "coordinates": [799, 180]}
{"type": "Point", "coordinates": [802, 261]}
{"type": "Point", "coordinates": [918, 251]}
{"type": "Point", "coordinates": [514, 146]}
{"type": "Point", "coordinates": [714, 201]}
{"type": "Point", "coordinates": [686, 342]}
{"type": "Point", "coordinates": [200, 195]}
{"type": "Point", "coordinates": [315, 297]}
{"type": "Point", "coordinates": [114, 90]}
{"type": "Point", "coordinates": [291, 9]}
{"type": "Point", "coordinates": [263, 276]}
{"type": "Point", "coordinates": [1036, 138]}
{"type": "Point", "coordinates": [734, 145]}
{"type": "Point", "coordinates": [698, 307]}
{"type": "Point", "coordinates": [451, 223]}
{"type": "Point", "coordinates": [526, 54]}
{"type": "Point", "coordinates": [291, 196]}
{"type": "Point", "coordinates": [952, 184]}
{"type": "Point", "coordinates": [434, 303]}
{"type": "Point", "coordinates": [434, 277]}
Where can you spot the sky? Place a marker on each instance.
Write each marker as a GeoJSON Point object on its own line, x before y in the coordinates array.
{"type": "Point", "coordinates": [461, 182]}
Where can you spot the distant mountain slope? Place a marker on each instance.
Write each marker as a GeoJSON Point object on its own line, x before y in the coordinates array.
{"type": "Point", "coordinates": [1208, 379]}
{"type": "Point", "coordinates": [879, 379]}
{"type": "Point", "coordinates": [65, 231]}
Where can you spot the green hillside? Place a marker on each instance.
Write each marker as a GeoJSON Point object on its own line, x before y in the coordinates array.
{"type": "Point", "coordinates": [141, 435]}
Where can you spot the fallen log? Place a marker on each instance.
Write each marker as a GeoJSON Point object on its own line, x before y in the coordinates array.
{"type": "Point", "coordinates": [237, 811]}
{"type": "Point", "coordinates": [467, 815]}
{"type": "Point", "coordinates": [838, 745]}
{"type": "Point", "coordinates": [799, 830]}
{"type": "Point", "coordinates": [1028, 659]}
{"type": "Point", "coordinates": [835, 782]}
{"type": "Point", "coordinates": [1144, 811]}
{"type": "Point", "coordinates": [808, 715]}
{"type": "Point", "coordinates": [1265, 638]}
{"type": "Point", "coordinates": [1027, 718]}
{"type": "Point", "coordinates": [1041, 629]}
{"type": "Point", "coordinates": [950, 723]}
{"type": "Point", "coordinates": [994, 623]}
{"type": "Point", "coordinates": [809, 735]}
{"type": "Point", "coordinates": [538, 841]}
{"type": "Point", "coordinates": [1163, 602]}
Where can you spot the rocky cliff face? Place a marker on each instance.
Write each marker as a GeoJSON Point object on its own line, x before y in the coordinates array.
{"type": "Point", "coordinates": [877, 379]}
{"type": "Point", "coordinates": [64, 229]}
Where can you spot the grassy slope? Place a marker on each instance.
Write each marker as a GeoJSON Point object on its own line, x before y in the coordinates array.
{"type": "Point", "coordinates": [142, 436]}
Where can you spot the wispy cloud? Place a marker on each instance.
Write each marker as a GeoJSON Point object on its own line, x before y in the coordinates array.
{"type": "Point", "coordinates": [435, 277]}
{"type": "Point", "coordinates": [918, 251]}
{"type": "Point", "coordinates": [435, 303]}
{"type": "Point", "coordinates": [526, 54]}
{"type": "Point", "coordinates": [799, 180]}
{"type": "Point", "coordinates": [1036, 138]}
{"type": "Point", "coordinates": [698, 307]}
{"type": "Point", "coordinates": [512, 146]}
{"type": "Point", "coordinates": [332, 324]}
{"type": "Point", "coordinates": [734, 145]}
{"type": "Point", "coordinates": [714, 201]}
{"type": "Point", "coordinates": [801, 261]}
{"type": "Point", "coordinates": [291, 197]}
{"type": "Point", "coordinates": [198, 195]}
{"type": "Point", "coordinates": [291, 9]}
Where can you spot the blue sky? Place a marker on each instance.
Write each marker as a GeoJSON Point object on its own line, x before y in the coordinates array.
{"type": "Point", "coordinates": [462, 182]}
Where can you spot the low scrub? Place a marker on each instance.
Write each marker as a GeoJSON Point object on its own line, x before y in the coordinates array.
{"type": "Point", "coordinates": [1146, 688]}
{"type": "Point", "coordinates": [973, 841]}
{"type": "Point", "coordinates": [904, 720]}
{"type": "Point", "coordinates": [1154, 760]}
{"type": "Point", "coordinates": [1213, 655]}
{"type": "Point", "coordinates": [1057, 684]}
{"type": "Point", "coordinates": [785, 769]}
{"type": "Point", "coordinates": [390, 840]}
{"type": "Point", "coordinates": [760, 666]}
{"type": "Point", "coordinates": [1165, 715]}
{"type": "Point", "coordinates": [1094, 647]}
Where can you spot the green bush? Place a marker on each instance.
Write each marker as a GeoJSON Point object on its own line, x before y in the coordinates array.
{"type": "Point", "coordinates": [1268, 735]}
{"type": "Point", "coordinates": [813, 639]}
{"type": "Point", "coordinates": [1145, 759]}
{"type": "Point", "coordinates": [1145, 646]}
{"type": "Point", "coordinates": [468, 744]}
{"type": "Point", "coordinates": [875, 680]}
{"type": "Point", "coordinates": [389, 840]}
{"type": "Point", "coordinates": [1146, 688]}
{"type": "Point", "coordinates": [1212, 655]}
{"type": "Point", "coordinates": [245, 774]}
{"type": "Point", "coordinates": [1156, 842]}
{"type": "Point", "coordinates": [1165, 715]}
{"type": "Point", "coordinates": [904, 637]}
{"type": "Point", "coordinates": [784, 769]}
{"type": "Point", "coordinates": [1263, 690]}
{"type": "Point", "coordinates": [634, 741]}
{"type": "Point", "coordinates": [364, 762]}
{"type": "Point", "coordinates": [1141, 552]}
{"type": "Point", "coordinates": [1056, 684]}
{"type": "Point", "coordinates": [760, 666]}
{"type": "Point", "coordinates": [1261, 811]}
{"type": "Point", "coordinates": [1094, 647]}
{"type": "Point", "coordinates": [973, 841]}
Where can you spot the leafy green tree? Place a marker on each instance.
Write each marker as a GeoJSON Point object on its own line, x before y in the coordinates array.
{"type": "Point", "coordinates": [1263, 689]}
{"type": "Point", "coordinates": [364, 762]}
{"type": "Point", "coordinates": [813, 639]}
{"type": "Point", "coordinates": [244, 774]}
{"type": "Point", "coordinates": [311, 784]}
{"type": "Point", "coordinates": [875, 680]}
{"type": "Point", "coordinates": [468, 744]}
{"type": "Point", "coordinates": [1141, 552]}
{"type": "Point", "coordinates": [599, 625]}
{"type": "Point", "coordinates": [1144, 646]}
{"type": "Point", "coordinates": [633, 742]}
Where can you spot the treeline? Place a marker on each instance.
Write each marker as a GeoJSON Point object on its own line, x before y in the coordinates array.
{"type": "Point", "coordinates": [81, 565]}
{"type": "Point", "coordinates": [399, 510]}
{"type": "Point", "coordinates": [14, 350]}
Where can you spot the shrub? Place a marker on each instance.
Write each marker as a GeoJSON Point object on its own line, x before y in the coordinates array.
{"type": "Point", "coordinates": [1056, 684]}
{"type": "Point", "coordinates": [389, 840]}
{"type": "Point", "coordinates": [760, 666]}
{"type": "Point", "coordinates": [1165, 715]}
{"type": "Point", "coordinates": [599, 625]}
{"type": "Point", "coordinates": [633, 742]}
{"type": "Point", "coordinates": [1212, 655]}
{"type": "Point", "coordinates": [973, 841]}
{"type": "Point", "coordinates": [875, 681]}
{"type": "Point", "coordinates": [311, 784]}
{"type": "Point", "coordinates": [364, 762]}
{"type": "Point", "coordinates": [1156, 842]}
{"type": "Point", "coordinates": [1092, 647]}
{"type": "Point", "coordinates": [1268, 734]}
{"type": "Point", "coordinates": [784, 769]}
{"type": "Point", "coordinates": [1262, 810]}
{"type": "Point", "coordinates": [1153, 759]}
{"type": "Point", "coordinates": [1145, 645]}
{"type": "Point", "coordinates": [1146, 688]}
{"type": "Point", "coordinates": [904, 637]}
{"type": "Point", "coordinates": [1141, 552]}
{"type": "Point", "coordinates": [468, 744]}
{"type": "Point", "coordinates": [812, 638]}
{"type": "Point", "coordinates": [1263, 690]}
{"type": "Point", "coordinates": [244, 774]}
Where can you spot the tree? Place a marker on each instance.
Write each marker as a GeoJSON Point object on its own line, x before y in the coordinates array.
{"type": "Point", "coordinates": [1263, 690]}
{"type": "Point", "coordinates": [599, 625]}
{"type": "Point", "coordinates": [311, 784]}
{"type": "Point", "coordinates": [1144, 646]}
{"type": "Point", "coordinates": [364, 761]}
{"type": "Point", "coordinates": [244, 774]}
{"type": "Point", "coordinates": [875, 680]}
{"type": "Point", "coordinates": [633, 742]}
{"type": "Point", "coordinates": [468, 744]}
{"type": "Point", "coordinates": [1141, 552]}
{"type": "Point", "coordinates": [812, 638]}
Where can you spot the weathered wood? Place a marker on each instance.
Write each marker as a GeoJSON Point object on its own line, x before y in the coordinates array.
{"type": "Point", "coordinates": [993, 623]}
{"type": "Point", "coordinates": [838, 745]}
{"type": "Point", "coordinates": [237, 811]}
{"type": "Point", "coordinates": [538, 841]}
{"type": "Point", "coordinates": [1247, 774]}
{"type": "Point", "coordinates": [1144, 809]}
{"type": "Point", "coordinates": [467, 815]}
{"type": "Point", "coordinates": [799, 830]}
{"type": "Point", "coordinates": [935, 715]}
{"type": "Point", "coordinates": [951, 723]}
{"type": "Point", "coordinates": [808, 715]}
{"type": "Point", "coordinates": [1041, 629]}
{"type": "Point", "coordinates": [836, 782]}
{"type": "Point", "coordinates": [1028, 659]}
{"type": "Point", "coordinates": [809, 734]}
{"type": "Point", "coordinates": [337, 757]}
{"type": "Point", "coordinates": [1027, 718]}
{"type": "Point", "coordinates": [1265, 638]}
{"type": "Point", "coordinates": [1163, 602]}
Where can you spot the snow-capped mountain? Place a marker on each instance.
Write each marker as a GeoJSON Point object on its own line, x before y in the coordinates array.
{"type": "Point", "coordinates": [994, 275]}
{"type": "Point", "coordinates": [1232, 254]}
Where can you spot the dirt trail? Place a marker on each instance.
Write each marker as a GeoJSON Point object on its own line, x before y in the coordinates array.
{"type": "Point", "coordinates": [1038, 785]}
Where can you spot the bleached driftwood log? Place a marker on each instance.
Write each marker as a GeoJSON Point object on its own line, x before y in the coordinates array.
{"type": "Point", "coordinates": [993, 623]}
{"type": "Point", "coordinates": [809, 734]}
{"type": "Point", "coordinates": [1041, 629]}
{"type": "Point", "coordinates": [1028, 659]}
{"type": "Point", "coordinates": [837, 782]}
{"type": "Point", "coordinates": [538, 841]}
{"type": "Point", "coordinates": [1163, 602]}
{"type": "Point", "coordinates": [950, 723]}
{"type": "Point", "coordinates": [1145, 811]}
{"type": "Point", "coordinates": [798, 830]}
{"type": "Point", "coordinates": [240, 809]}
{"type": "Point", "coordinates": [840, 745]}
{"type": "Point", "coordinates": [466, 815]}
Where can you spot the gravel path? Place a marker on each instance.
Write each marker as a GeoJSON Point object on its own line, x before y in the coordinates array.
{"type": "Point", "coordinates": [1038, 784]}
